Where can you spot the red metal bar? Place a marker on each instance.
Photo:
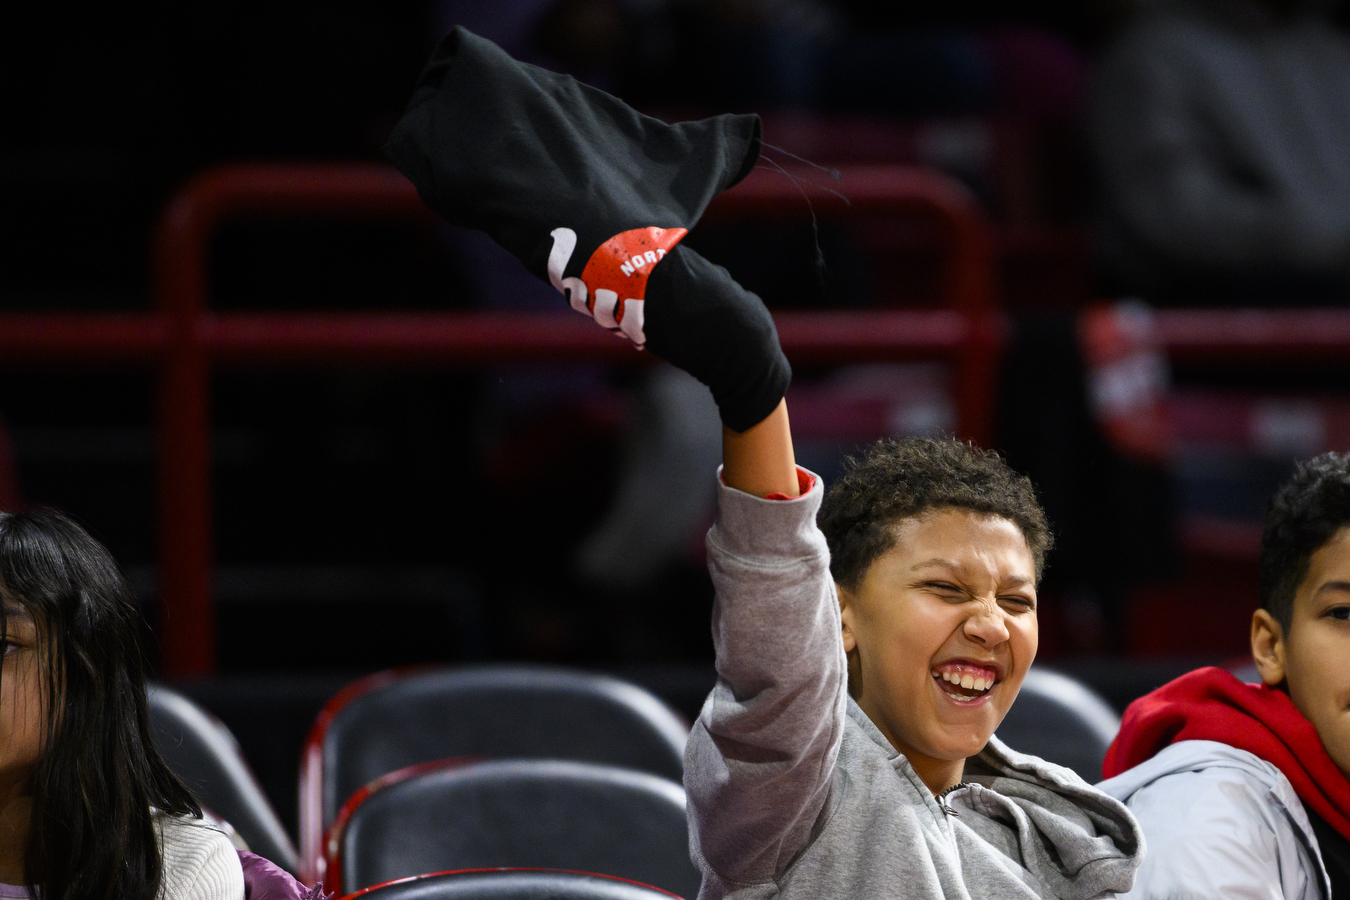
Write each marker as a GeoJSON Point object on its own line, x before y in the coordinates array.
{"type": "Point", "coordinates": [187, 608]}
{"type": "Point", "coordinates": [968, 282]}
{"type": "Point", "coordinates": [471, 338]}
{"type": "Point", "coordinates": [180, 284]}
{"type": "Point", "coordinates": [1253, 335]}
{"type": "Point", "coordinates": [466, 338]}
{"type": "Point", "coordinates": [195, 337]}
{"type": "Point", "coordinates": [185, 338]}
{"type": "Point", "coordinates": [449, 338]}
{"type": "Point", "coordinates": [82, 337]}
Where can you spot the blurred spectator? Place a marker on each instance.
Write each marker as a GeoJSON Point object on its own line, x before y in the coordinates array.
{"type": "Point", "coordinates": [1221, 128]}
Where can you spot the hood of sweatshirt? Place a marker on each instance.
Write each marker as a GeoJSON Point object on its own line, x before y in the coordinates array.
{"type": "Point", "coordinates": [1210, 704]}
{"type": "Point", "coordinates": [1078, 841]}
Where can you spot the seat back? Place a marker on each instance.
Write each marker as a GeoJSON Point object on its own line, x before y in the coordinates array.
{"type": "Point", "coordinates": [513, 884]}
{"type": "Point", "coordinates": [394, 720]}
{"type": "Point", "coordinates": [552, 814]}
{"type": "Point", "coordinates": [204, 754]}
{"type": "Point", "coordinates": [1061, 720]}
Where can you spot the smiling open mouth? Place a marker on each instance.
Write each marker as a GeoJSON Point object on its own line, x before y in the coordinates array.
{"type": "Point", "coordinates": [962, 681]}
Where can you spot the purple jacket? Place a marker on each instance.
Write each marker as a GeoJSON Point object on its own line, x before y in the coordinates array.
{"type": "Point", "coordinates": [265, 880]}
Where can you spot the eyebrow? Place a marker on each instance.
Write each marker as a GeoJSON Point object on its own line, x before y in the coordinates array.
{"type": "Point", "coordinates": [1013, 580]}
{"type": "Point", "coordinates": [1343, 586]}
{"type": "Point", "coordinates": [945, 563]}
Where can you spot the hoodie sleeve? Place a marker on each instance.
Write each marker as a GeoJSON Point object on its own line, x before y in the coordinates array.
{"type": "Point", "coordinates": [761, 758]}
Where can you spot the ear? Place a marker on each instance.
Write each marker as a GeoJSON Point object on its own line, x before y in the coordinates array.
{"type": "Point", "coordinates": [846, 611]}
{"type": "Point", "coordinates": [1268, 647]}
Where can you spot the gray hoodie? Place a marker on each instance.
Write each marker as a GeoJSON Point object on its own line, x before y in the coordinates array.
{"type": "Point", "coordinates": [793, 792]}
{"type": "Point", "coordinates": [1221, 822]}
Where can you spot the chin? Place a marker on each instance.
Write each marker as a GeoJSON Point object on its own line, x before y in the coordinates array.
{"type": "Point", "coordinates": [953, 747]}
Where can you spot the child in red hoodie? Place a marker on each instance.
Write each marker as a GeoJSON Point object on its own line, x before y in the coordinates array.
{"type": "Point", "coordinates": [1242, 789]}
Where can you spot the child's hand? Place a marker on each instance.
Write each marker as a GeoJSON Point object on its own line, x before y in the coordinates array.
{"type": "Point", "coordinates": [639, 283]}
{"type": "Point", "coordinates": [701, 320]}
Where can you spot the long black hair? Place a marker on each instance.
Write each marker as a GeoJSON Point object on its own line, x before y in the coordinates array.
{"type": "Point", "coordinates": [98, 782]}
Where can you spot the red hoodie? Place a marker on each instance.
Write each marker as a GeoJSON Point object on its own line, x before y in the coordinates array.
{"type": "Point", "coordinates": [1211, 705]}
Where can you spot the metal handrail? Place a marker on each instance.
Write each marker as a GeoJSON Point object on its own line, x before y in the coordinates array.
{"type": "Point", "coordinates": [184, 338]}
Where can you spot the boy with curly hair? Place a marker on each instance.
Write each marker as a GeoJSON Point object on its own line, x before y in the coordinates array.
{"type": "Point", "coordinates": [1243, 790]}
{"type": "Point", "coordinates": [864, 663]}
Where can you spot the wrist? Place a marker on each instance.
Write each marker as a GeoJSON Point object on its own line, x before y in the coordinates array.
{"type": "Point", "coordinates": [760, 460]}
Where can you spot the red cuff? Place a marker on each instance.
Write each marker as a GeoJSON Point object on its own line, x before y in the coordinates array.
{"type": "Point", "coordinates": [805, 481]}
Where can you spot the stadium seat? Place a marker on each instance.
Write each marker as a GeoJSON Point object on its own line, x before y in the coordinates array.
{"type": "Point", "coordinates": [553, 814]}
{"type": "Point", "coordinates": [513, 884]}
{"type": "Point", "coordinates": [1061, 720]}
{"type": "Point", "coordinates": [398, 719]}
{"type": "Point", "coordinates": [204, 754]}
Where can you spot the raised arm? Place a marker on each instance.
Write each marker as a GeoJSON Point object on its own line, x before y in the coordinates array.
{"type": "Point", "coordinates": [759, 769]}
{"type": "Point", "coordinates": [592, 195]}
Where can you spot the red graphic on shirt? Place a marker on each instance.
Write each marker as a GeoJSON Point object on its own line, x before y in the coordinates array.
{"type": "Point", "coordinates": [622, 263]}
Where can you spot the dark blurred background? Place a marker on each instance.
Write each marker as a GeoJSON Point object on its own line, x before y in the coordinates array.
{"type": "Point", "coordinates": [371, 517]}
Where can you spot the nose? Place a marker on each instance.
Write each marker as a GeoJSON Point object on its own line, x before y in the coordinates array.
{"type": "Point", "coordinates": [987, 625]}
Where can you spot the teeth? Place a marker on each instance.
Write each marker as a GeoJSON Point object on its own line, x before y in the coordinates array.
{"type": "Point", "coordinates": [967, 681]}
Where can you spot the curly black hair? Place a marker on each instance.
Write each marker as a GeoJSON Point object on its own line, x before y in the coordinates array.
{"type": "Point", "coordinates": [1304, 514]}
{"type": "Point", "coordinates": [897, 479]}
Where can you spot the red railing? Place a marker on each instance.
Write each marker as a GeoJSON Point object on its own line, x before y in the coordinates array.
{"type": "Point", "coordinates": [1256, 335]}
{"type": "Point", "coordinates": [184, 338]}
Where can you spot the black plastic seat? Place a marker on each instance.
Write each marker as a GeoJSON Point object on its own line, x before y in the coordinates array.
{"type": "Point", "coordinates": [551, 814]}
{"type": "Point", "coordinates": [394, 720]}
{"type": "Point", "coordinates": [510, 884]}
{"type": "Point", "coordinates": [204, 754]}
{"type": "Point", "coordinates": [1061, 720]}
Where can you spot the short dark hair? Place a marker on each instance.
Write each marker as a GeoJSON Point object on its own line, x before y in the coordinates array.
{"type": "Point", "coordinates": [1304, 514]}
{"type": "Point", "coordinates": [898, 479]}
{"type": "Point", "coordinates": [98, 781]}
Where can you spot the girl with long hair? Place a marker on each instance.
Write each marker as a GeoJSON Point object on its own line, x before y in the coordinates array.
{"type": "Point", "coordinates": [88, 808]}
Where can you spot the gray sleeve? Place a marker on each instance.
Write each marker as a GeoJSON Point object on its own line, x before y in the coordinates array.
{"type": "Point", "coordinates": [1194, 177]}
{"type": "Point", "coordinates": [761, 758]}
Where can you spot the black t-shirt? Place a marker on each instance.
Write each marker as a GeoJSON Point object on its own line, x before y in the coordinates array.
{"type": "Point", "coordinates": [1335, 853]}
